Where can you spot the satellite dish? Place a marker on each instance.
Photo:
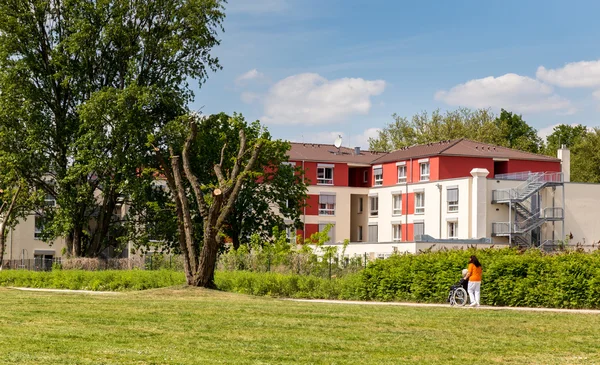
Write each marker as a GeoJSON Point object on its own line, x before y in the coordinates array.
{"type": "Point", "coordinates": [338, 142]}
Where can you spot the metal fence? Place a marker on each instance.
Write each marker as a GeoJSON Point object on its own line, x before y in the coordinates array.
{"type": "Point", "coordinates": [36, 264]}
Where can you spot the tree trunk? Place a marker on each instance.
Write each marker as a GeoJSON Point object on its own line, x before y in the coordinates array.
{"type": "Point", "coordinates": [205, 275]}
{"type": "Point", "coordinates": [2, 244]}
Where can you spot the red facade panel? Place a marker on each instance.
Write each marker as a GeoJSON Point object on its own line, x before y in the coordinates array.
{"type": "Point", "coordinates": [411, 203]}
{"type": "Point", "coordinates": [451, 167]}
{"type": "Point", "coordinates": [312, 204]}
{"type": "Point", "coordinates": [309, 230]}
{"type": "Point", "coordinates": [410, 236]}
{"type": "Point", "coordinates": [533, 166]}
{"type": "Point", "coordinates": [390, 174]}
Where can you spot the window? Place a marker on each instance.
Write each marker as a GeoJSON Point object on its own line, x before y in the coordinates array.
{"type": "Point", "coordinates": [49, 201]}
{"type": "Point", "coordinates": [396, 232]}
{"type": "Point", "coordinates": [419, 203]}
{"type": "Point", "coordinates": [290, 234]}
{"type": "Point", "coordinates": [419, 229]}
{"type": "Point", "coordinates": [424, 169]}
{"type": "Point", "coordinates": [360, 234]}
{"type": "Point", "coordinates": [360, 205]}
{"type": "Point", "coordinates": [373, 233]}
{"type": "Point", "coordinates": [402, 174]}
{"type": "Point", "coordinates": [325, 175]}
{"type": "Point", "coordinates": [365, 176]}
{"type": "Point", "coordinates": [331, 233]}
{"type": "Point", "coordinates": [452, 229]}
{"type": "Point", "coordinates": [39, 227]}
{"type": "Point", "coordinates": [326, 204]}
{"type": "Point", "coordinates": [374, 206]}
{"type": "Point", "coordinates": [378, 174]}
{"type": "Point", "coordinates": [397, 204]}
{"type": "Point", "coordinates": [452, 199]}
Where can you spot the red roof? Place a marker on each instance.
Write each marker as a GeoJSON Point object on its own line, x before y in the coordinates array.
{"type": "Point", "coordinates": [458, 147]}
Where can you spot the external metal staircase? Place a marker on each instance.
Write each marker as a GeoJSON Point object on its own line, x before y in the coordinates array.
{"type": "Point", "coordinates": [525, 212]}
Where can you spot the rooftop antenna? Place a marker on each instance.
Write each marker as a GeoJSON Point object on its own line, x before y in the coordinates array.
{"type": "Point", "coordinates": [338, 142]}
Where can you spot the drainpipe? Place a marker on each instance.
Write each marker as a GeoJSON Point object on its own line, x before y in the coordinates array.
{"type": "Point", "coordinates": [439, 186]}
{"type": "Point", "coordinates": [303, 210]}
{"type": "Point", "coordinates": [406, 185]}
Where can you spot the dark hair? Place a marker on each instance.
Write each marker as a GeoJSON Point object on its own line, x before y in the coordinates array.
{"type": "Point", "coordinates": [474, 261]}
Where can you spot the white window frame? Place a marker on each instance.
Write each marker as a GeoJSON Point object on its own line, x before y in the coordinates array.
{"type": "Point", "coordinates": [396, 232]}
{"type": "Point", "coordinates": [322, 178]}
{"type": "Point", "coordinates": [401, 177]}
{"type": "Point", "coordinates": [49, 201]}
{"type": "Point", "coordinates": [452, 227]}
{"type": "Point", "coordinates": [453, 205]}
{"type": "Point", "coordinates": [374, 199]}
{"type": "Point", "coordinates": [377, 178]}
{"type": "Point", "coordinates": [420, 202]}
{"type": "Point", "coordinates": [396, 210]}
{"type": "Point", "coordinates": [327, 208]}
{"type": "Point", "coordinates": [360, 233]}
{"type": "Point", "coordinates": [365, 176]}
{"type": "Point", "coordinates": [424, 171]}
{"type": "Point", "coordinates": [360, 205]}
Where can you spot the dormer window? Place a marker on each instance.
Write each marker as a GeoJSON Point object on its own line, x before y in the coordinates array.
{"type": "Point", "coordinates": [378, 175]}
{"type": "Point", "coordinates": [324, 174]}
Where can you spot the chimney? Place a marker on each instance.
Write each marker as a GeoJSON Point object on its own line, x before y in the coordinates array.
{"type": "Point", "coordinates": [357, 151]}
{"type": "Point", "coordinates": [564, 155]}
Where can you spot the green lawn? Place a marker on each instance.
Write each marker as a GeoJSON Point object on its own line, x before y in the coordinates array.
{"type": "Point", "coordinates": [194, 326]}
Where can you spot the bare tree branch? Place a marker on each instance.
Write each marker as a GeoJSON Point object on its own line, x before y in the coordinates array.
{"type": "Point", "coordinates": [188, 171]}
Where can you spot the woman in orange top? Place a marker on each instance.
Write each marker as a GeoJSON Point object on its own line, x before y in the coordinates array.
{"type": "Point", "coordinates": [474, 276]}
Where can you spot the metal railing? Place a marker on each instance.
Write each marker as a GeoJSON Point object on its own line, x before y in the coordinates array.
{"type": "Point", "coordinates": [500, 228]}
{"type": "Point", "coordinates": [524, 175]}
{"type": "Point", "coordinates": [553, 213]}
{"type": "Point", "coordinates": [535, 181]}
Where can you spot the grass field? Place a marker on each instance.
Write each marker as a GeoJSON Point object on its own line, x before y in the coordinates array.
{"type": "Point", "coordinates": [195, 326]}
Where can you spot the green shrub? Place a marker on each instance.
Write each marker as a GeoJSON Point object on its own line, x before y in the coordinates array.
{"type": "Point", "coordinates": [112, 280]}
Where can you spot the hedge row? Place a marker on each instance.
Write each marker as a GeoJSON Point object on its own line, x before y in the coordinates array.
{"type": "Point", "coordinates": [510, 278]}
{"type": "Point", "coordinates": [109, 280]}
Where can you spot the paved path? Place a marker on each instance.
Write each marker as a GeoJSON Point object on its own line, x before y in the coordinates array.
{"type": "Point", "coordinates": [587, 311]}
{"type": "Point", "coordinates": [66, 291]}
{"type": "Point", "coordinates": [354, 302]}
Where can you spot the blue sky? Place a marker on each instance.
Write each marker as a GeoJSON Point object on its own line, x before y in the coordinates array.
{"type": "Point", "coordinates": [311, 70]}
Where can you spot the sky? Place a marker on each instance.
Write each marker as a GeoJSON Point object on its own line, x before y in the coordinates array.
{"type": "Point", "coordinates": [311, 70]}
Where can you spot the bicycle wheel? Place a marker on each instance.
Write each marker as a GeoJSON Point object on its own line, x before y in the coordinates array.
{"type": "Point", "coordinates": [459, 297]}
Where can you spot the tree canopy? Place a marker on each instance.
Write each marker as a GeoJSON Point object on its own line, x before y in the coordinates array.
{"type": "Point", "coordinates": [82, 84]}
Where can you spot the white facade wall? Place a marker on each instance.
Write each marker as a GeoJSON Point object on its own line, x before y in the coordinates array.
{"type": "Point", "coordinates": [435, 215]}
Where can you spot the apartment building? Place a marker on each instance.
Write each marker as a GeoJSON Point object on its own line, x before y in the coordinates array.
{"type": "Point", "coordinates": [446, 194]}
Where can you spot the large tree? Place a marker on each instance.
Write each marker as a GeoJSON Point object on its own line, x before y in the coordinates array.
{"type": "Point", "coordinates": [585, 158]}
{"type": "Point", "coordinates": [506, 129]}
{"type": "Point", "coordinates": [206, 162]}
{"type": "Point", "coordinates": [72, 72]}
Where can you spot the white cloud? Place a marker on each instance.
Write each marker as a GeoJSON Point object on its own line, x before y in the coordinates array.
{"type": "Point", "coordinates": [250, 75]}
{"type": "Point", "coordinates": [350, 141]}
{"type": "Point", "coordinates": [511, 91]}
{"type": "Point", "coordinates": [576, 74]}
{"type": "Point", "coordinates": [311, 99]}
{"type": "Point", "coordinates": [596, 94]}
{"type": "Point", "coordinates": [257, 7]}
{"type": "Point", "coordinates": [249, 97]}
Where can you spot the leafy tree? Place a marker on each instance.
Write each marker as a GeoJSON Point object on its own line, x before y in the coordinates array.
{"type": "Point", "coordinates": [281, 188]}
{"type": "Point", "coordinates": [480, 125]}
{"type": "Point", "coordinates": [73, 74]}
{"type": "Point", "coordinates": [516, 133]}
{"type": "Point", "coordinates": [564, 135]}
{"type": "Point", "coordinates": [585, 158]}
{"type": "Point", "coordinates": [206, 163]}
